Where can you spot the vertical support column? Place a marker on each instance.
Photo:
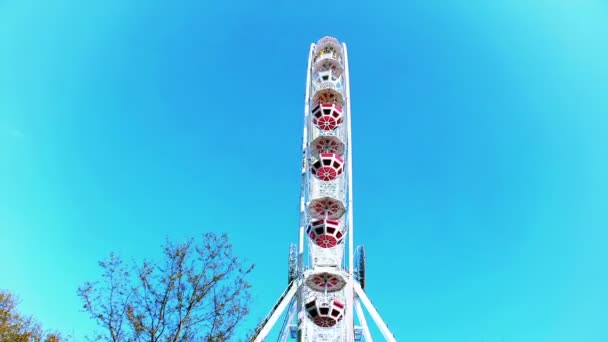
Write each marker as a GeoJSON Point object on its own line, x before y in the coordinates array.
{"type": "Point", "coordinates": [350, 297]}
{"type": "Point", "coordinates": [304, 188]}
{"type": "Point", "coordinates": [363, 321]}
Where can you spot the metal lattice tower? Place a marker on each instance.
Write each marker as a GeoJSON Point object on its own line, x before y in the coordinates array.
{"type": "Point", "coordinates": [326, 276]}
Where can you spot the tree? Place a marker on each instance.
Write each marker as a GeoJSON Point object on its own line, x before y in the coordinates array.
{"type": "Point", "coordinates": [198, 292]}
{"type": "Point", "coordinates": [14, 327]}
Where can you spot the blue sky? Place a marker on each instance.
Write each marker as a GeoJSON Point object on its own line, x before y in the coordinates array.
{"type": "Point", "coordinates": [479, 136]}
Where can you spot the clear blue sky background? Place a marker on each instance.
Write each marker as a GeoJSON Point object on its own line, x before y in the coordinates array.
{"type": "Point", "coordinates": [480, 151]}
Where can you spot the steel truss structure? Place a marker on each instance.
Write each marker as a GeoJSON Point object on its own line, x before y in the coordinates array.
{"type": "Point", "coordinates": [324, 290]}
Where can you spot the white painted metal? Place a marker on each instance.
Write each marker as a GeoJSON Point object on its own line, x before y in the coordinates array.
{"type": "Point", "coordinates": [350, 298]}
{"type": "Point", "coordinates": [305, 165]}
{"type": "Point", "coordinates": [305, 168]}
{"type": "Point", "coordinates": [332, 87]}
{"type": "Point", "coordinates": [335, 82]}
{"type": "Point", "coordinates": [374, 313]}
{"type": "Point", "coordinates": [290, 314]}
{"type": "Point", "coordinates": [333, 188]}
{"type": "Point", "coordinates": [326, 258]}
{"type": "Point", "coordinates": [363, 321]}
{"type": "Point", "coordinates": [277, 311]}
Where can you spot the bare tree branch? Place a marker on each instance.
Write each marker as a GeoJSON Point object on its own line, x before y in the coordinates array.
{"type": "Point", "coordinates": [198, 292]}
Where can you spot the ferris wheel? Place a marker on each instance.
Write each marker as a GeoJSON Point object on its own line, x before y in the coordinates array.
{"type": "Point", "coordinates": [326, 274]}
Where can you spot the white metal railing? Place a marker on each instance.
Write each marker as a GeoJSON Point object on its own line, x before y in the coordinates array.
{"type": "Point", "coordinates": [319, 85]}
{"type": "Point", "coordinates": [323, 56]}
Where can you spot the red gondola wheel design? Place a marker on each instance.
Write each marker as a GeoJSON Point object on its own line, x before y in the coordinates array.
{"type": "Point", "coordinates": [328, 166]}
{"type": "Point", "coordinates": [327, 123]}
{"type": "Point", "coordinates": [325, 322]}
{"type": "Point", "coordinates": [326, 280]}
{"type": "Point", "coordinates": [327, 116]}
{"type": "Point", "coordinates": [326, 241]}
{"type": "Point", "coordinates": [327, 173]}
{"type": "Point", "coordinates": [328, 146]}
{"type": "Point", "coordinates": [325, 233]}
{"type": "Point", "coordinates": [327, 207]}
{"type": "Point", "coordinates": [325, 315]}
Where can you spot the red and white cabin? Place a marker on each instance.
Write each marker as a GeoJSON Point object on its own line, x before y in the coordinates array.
{"type": "Point", "coordinates": [327, 95]}
{"type": "Point", "coordinates": [325, 315]}
{"type": "Point", "coordinates": [328, 166]}
{"type": "Point", "coordinates": [325, 281]}
{"type": "Point", "coordinates": [325, 233]}
{"type": "Point", "coordinates": [327, 144]}
{"type": "Point", "coordinates": [327, 115]}
{"type": "Point", "coordinates": [328, 48]}
{"type": "Point", "coordinates": [326, 207]}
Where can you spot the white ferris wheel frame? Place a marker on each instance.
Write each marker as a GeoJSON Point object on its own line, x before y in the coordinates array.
{"type": "Point", "coordinates": [292, 298]}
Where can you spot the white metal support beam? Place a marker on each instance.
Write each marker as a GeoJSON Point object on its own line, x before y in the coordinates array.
{"type": "Point", "coordinates": [290, 313]}
{"type": "Point", "coordinates": [305, 168]}
{"type": "Point", "coordinates": [304, 186]}
{"type": "Point", "coordinates": [374, 313]}
{"type": "Point", "coordinates": [350, 296]}
{"type": "Point", "coordinates": [363, 321]}
{"type": "Point", "coordinates": [276, 312]}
